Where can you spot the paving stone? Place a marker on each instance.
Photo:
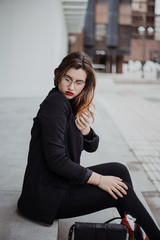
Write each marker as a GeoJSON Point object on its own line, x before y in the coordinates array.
{"type": "Point", "coordinates": [152, 199]}
{"type": "Point", "coordinates": [136, 141]}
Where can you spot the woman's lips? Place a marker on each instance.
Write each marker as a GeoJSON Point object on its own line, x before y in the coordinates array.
{"type": "Point", "coordinates": [69, 93]}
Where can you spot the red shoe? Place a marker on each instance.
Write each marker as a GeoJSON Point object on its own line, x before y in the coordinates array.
{"type": "Point", "coordinates": [133, 227]}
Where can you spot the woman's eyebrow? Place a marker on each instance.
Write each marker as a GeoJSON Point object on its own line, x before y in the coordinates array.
{"type": "Point", "coordinates": [76, 80]}
{"type": "Point", "coordinates": [67, 76]}
{"type": "Point", "coordinates": [80, 80]}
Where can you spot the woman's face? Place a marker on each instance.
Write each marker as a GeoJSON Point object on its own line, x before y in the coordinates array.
{"type": "Point", "coordinates": [73, 82]}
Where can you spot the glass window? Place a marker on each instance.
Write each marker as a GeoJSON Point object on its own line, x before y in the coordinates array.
{"type": "Point", "coordinates": [124, 36]}
{"type": "Point", "coordinates": [101, 1]}
{"type": "Point", "coordinates": [100, 32]}
{"type": "Point", "coordinates": [151, 9]}
{"type": "Point", "coordinates": [150, 19]}
{"type": "Point", "coordinates": [125, 1]}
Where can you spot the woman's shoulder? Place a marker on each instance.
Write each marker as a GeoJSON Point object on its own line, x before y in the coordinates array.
{"type": "Point", "coordinates": [56, 99]}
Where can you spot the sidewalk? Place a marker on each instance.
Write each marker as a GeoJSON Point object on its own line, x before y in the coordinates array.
{"type": "Point", "coordinates": [134, 111]}
{"type": "Point", "coordinates": [136, 78]}
{"type": "Point", "coordinates": [127, 120]}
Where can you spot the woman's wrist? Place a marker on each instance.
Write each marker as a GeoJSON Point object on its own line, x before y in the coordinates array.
{"type": "Point", "coordinates": [95, 179]}
{"type": "Point", "coordinates": [100, 180]}
{"type": "Point", "coordinates": [86, 131]}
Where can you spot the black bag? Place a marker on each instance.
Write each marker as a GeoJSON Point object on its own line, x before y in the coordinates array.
{"type": "Point", "coordinates": [98, 231]}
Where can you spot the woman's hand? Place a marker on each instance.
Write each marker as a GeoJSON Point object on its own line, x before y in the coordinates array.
{"type": "Point", "coordinates": [113, 185]}
{"type": "Point", "coordinates": [82, 122]}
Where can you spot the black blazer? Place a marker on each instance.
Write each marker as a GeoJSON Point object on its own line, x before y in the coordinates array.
{"type": "Point", "coordinates": [54, 158]}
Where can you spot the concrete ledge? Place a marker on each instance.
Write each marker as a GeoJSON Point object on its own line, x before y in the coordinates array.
{"type": "Point", "coordinates": [15, 227]}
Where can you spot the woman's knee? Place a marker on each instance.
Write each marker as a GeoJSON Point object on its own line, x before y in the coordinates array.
{"type": "Point", "coordinates": [124, 168]}
{"type": "Point", "coordinates": [123, 173]}
{"type": "Point", "coordinates": [121, 168]}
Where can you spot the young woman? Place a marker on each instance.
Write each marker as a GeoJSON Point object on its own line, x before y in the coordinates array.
{"type": "Point", "coordinates": [55, 184]}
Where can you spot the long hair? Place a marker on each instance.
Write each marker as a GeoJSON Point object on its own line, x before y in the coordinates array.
{"type": "Point", "coordinates": [79, 60]}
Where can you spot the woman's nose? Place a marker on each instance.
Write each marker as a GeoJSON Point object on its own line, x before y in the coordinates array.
{"type": "Point", "coordinates": [71, 86]}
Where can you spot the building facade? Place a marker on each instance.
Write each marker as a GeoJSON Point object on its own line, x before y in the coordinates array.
{"type": "Point", "coordinates": [107, 32]}
{"type": "Point", "coordinates": [145, 30]}
{"type": "Point", "coordinates": [120, 30]}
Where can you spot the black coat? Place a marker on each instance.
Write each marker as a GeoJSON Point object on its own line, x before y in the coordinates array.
{"type": "Point", "coordinates": [54, 158]}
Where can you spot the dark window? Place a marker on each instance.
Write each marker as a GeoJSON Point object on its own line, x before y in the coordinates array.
{"type": "Point", "coordinates": [151, 9]}
{"type": "Point", "coordinates": [125, 1]}
{"type": "Point", "coordinates": [101, 1]}
{"type": "Point", "coordinates": [134, 30]}
{"type": "Point", "coordinates": [124, 36]}
{"type": "Point", "coordinates": [137, 19]}
{"type": "Point", "coordinates": [150, 19]}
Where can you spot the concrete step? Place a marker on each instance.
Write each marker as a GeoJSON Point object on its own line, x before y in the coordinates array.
{"type": "Point", "coordinates": [15, 227]}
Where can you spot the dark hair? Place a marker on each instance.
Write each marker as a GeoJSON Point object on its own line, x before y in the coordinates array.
{"type": "Point", "coordinates": [77, 60]}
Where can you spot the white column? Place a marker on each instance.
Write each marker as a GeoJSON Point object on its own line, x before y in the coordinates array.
{"type": "Point", "coordinates": [32, 43]}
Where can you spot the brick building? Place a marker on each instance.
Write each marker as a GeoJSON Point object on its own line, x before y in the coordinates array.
{"type": "Point", "coordinates": [107, 32]}
{"type": "Point", "coordinates": [120, 30]}
{"type": "Point", "coordinates": [145, 38]}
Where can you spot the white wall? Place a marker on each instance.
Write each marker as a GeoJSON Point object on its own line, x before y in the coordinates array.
{"type": "Point", "coordinates": [33, 40]}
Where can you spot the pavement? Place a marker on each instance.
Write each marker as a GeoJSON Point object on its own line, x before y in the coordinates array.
{"type": "Point", "coordinates": [127, 119]}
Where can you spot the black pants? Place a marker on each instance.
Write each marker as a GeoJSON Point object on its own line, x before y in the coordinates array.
{"type": "Point", "coordinates": [85, 199]}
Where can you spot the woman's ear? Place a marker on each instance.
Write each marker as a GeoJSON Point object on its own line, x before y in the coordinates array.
{"type": "Point", "coordinates": [56, 72]}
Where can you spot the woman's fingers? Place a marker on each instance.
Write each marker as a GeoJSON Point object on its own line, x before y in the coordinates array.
{"type": "Point", "coordinates": [86, 118]}
{"type": "Point", "coordinates": [79, 123]}
{"type": "Point", "coordinates": [122, 185]}
{"type": "Point", "coordinates": [119, 182]}
{"type": "Point", "coordinates": [112, 194]}
{"type": "Point", "coordinates": [115, 190]}
{"type": "Point", "coordinates": [114, 186]}
{"type": "Point", "coordinates": [118, 179]}
{"type": "Point", "coordinates": [121, 190]}
{"type": "Point", "coordinates": [82, 124]}
{"type": "Point", "coordinates": [82, 121]}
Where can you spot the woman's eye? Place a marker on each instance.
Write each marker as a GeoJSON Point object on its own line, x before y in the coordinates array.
{"type": "Point", "coordinates": [79, 83]}
{"type": "Point", "coordinates": [67, 79]}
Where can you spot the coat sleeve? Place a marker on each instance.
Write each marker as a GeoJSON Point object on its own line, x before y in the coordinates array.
{"type": "Point", "coordinates": [91, 141]}
{"type": "Point", "coordinates": [53, 117]}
